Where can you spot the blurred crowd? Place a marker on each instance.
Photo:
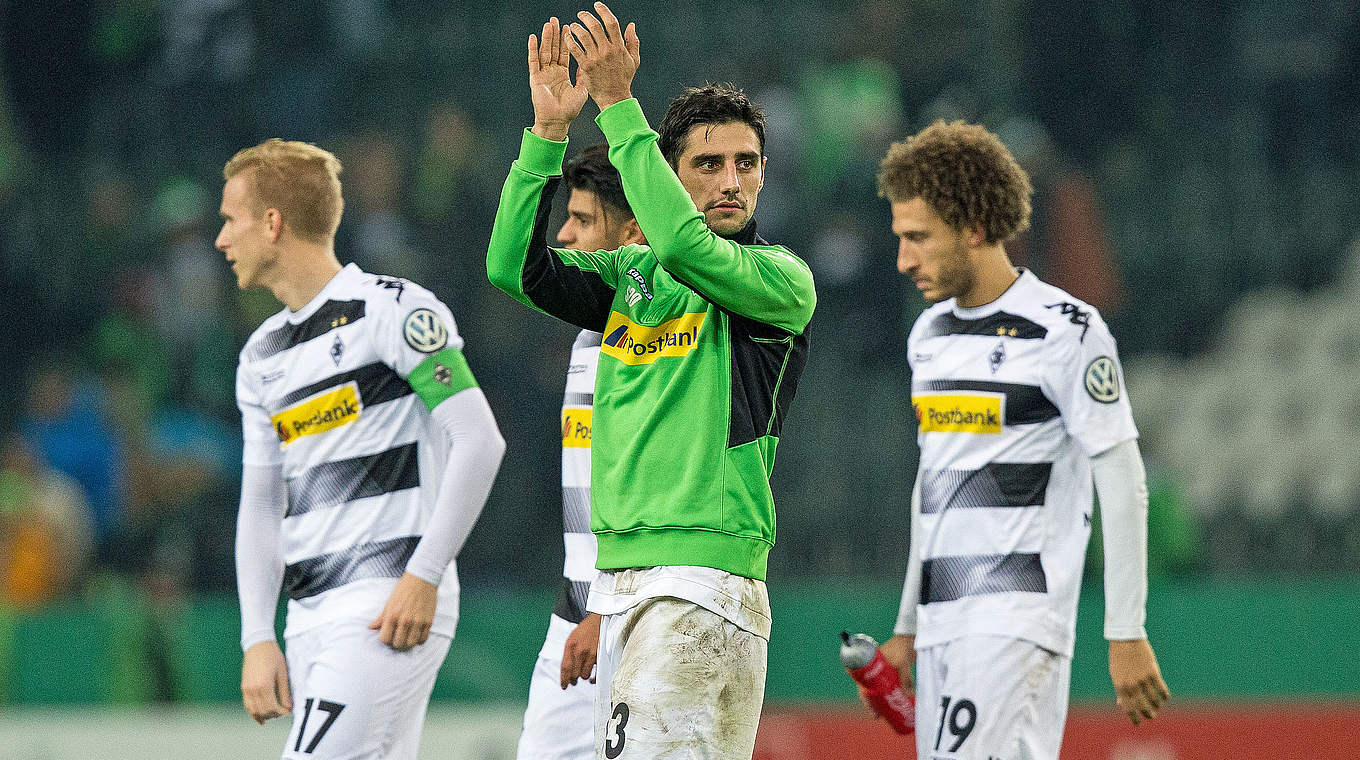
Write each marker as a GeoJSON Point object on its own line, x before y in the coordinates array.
{"type": "Point", "coordinates": [1182, 156]}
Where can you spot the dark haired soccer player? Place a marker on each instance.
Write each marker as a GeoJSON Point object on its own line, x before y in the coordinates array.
{"type": "Point", "coordinates": [1021, 407]}
{"type": "Point", "coordinates": [704, 340]}
{"type": "Point", "coordinates": [560, 717]}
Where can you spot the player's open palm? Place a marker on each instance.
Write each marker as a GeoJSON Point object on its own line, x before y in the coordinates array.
{"type": "Point", "coordinates": [557, 100]}
{"type": "Point", "coordinates": [264, 682]}
{"type": "Point", "coordinates": [607, 55]}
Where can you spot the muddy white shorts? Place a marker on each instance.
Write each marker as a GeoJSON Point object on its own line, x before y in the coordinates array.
{"type": "Point", "coordinates": [354, 698]}
{"type": "Point", "coordinates": [990, 698]}
{"type": "Point", "coordinates": [558, 724]}
{"type": "Point", "coordinates": [677, 682]}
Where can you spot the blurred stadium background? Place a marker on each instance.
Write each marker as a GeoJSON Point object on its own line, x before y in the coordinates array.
{"type": "Point", "coordinates": [1197, 168]}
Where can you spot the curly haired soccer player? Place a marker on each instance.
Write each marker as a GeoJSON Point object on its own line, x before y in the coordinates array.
{"type": "Point", "coordinates": [1021, 408]}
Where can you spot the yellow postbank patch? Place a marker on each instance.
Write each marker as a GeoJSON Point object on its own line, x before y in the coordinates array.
{"type": "Point", "coordinates": [958, 413]}
{"type": "Point", "coordinates": [576, 427]}
{"type": "Point", "coordinates": [318, 414]}
{"type": "Point", "coordinates": [632, 343]}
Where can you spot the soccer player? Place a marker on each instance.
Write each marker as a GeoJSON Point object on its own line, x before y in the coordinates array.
{"type": "Point", "coordinates": [1017, 389]}
{"type": "Point", "coordinates": [369, 452]}
{"type": "Point", "coordinates": [704, 340]}
{"type": "Point", "coordinates": [558, 721]}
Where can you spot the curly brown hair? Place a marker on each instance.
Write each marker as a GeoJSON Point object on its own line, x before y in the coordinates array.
{"type": "Point", "coordinates": [299, 179]}
{"type": "Point", "coordinates": [965, 174]}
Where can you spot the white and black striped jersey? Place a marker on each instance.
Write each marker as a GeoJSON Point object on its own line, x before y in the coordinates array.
{"type": "Point", "coordinates": [578, 402]}
{"type": "Point", "coordinates": [337, 394]}
{"type": "Point", "coordinates": [1013, 399]}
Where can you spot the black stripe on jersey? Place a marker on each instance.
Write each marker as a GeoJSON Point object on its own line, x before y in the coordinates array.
{"type": "Point", "coordinates": [999, 484]}
{"type": "Point", "coordinates": [377, 383]}
{"type": "Point", "coordinates": [331, 315]}
{"type": "Point", "coordinates": [571, 600]}
{"type": "Point", "coordinates": [1025, 404]}
{"type": "Point", "coordinates": [575, 509]}
{"type": "Point", "coordinates": [380, 559]}
{"type": "Point", "coordinates": [349, 479]}
{"type": "Point", "coordinates": [565, 291]}
{"type": "Point", "coordinates": [945, 579]}
{"type": "Point", "coordinates": [999, 324]}
{"type": "Point", "coordinates": [571, 398]}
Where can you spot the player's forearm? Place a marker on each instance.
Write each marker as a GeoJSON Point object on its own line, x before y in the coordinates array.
{"type": "Point", "coordinates": [911, 587]}
{"type": "Point", "coordinates": [1121, 485]}
{"type": "Point", "coordinates": [519, 260]}
{"type": "Point", "coordinates": [475, 451]}
{"type": "Point", "coordinates": [763, 283]}
{"type": "Point", "coordinates": [259, 551]}
{"type": "Point", "coordinates": [522, 196]}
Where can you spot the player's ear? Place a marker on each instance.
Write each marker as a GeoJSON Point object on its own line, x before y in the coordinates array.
{"type": "Point", "coordinates": [975, 235]}
{"type": "Point", "coordinates": [631, 233]}
{"type": "Point", "coordinates": [273, 219]}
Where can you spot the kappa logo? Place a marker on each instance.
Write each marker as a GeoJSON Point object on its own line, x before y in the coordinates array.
{"type": "Point", "coordinates": [958, 413]}
{"type": "Point", "coordinates": [576, 424]}
{"type": "Point", "coordinates": [318, 414]}
{"type": "Point", "coordinates": [425, 331]}
{"type": "Point", "coordinates": [632, 343]}
{"type": "Point", "coordinates": [392, 283]}
{"type": "Point", "coordinates": [632, 296]}
{"type": "Point", "coordinates": [642, 283]}
{"type": "Point", "coordinates": [1075, 314]}
{"type": "Point", "coordinates": [1102, 380]}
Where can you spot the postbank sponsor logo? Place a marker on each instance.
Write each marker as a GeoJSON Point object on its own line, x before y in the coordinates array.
{"type": "Point", "coordinates": [318, 414]}
{"type": "Point", "coordinates": [576, 427]}
{"type": "Point", "coordinates": [959, 413]}
{"type": "Point", "coordinates": [632, 343]}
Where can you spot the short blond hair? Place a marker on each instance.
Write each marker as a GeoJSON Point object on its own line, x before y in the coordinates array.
{"type": "Point", "coordinates": [299, 179]}
{"type": "Point", "coordinates": [965, 174]}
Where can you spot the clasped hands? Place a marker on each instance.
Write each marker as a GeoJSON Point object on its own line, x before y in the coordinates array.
{"type": "Point", "coordinates": [607, 57]}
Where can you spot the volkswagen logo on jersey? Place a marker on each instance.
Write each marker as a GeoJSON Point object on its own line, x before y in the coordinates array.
{"type": "Point", "coordinates": [425, 331]}
{"type": "Point", "coordinates": [1102, 380]}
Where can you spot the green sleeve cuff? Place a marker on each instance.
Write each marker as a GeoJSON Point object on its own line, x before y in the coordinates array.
{"type": "Point", "coordinates": [440, 376]}
{"type": "Point", "coordinates": [623, 118]}
{"type": "Point", "coordinates": [541, 156]}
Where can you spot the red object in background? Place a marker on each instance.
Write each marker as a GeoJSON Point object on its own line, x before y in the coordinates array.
{"type": "Point", "coordinates": [879, 682]}
{"type": "Point", "coordinates": [1200, 731]}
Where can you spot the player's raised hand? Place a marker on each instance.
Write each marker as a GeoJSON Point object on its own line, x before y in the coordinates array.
{"type": "Point", "coordinates": [264, 682]}
{"type": "Point", "coordinates": [409, 613]}
{"type": "Point", "coordinates": [609, 56]}
{"type": "Point", "coordinates": [557, 100]}
{"type": "Point", "coordinates": [1138, 685]}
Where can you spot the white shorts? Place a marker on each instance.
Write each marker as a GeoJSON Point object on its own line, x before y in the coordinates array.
{"type": "Point", "coordinates": [558, 724]}
{"type": "Point", "coordinates": [355, 697]}
{"type": "Point", "coordinates": [990, 697]}
{"type": "Point", "coordinates": [677, 682]}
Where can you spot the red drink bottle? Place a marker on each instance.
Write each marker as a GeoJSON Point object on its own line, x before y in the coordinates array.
{"type": "Point", "coordinates": [878, 679]}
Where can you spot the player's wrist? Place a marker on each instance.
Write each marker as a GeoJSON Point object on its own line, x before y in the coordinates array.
{"type": "Point", "coordinates": [605, 100]}
{"type": "Point", "coordinates": [551, 129]}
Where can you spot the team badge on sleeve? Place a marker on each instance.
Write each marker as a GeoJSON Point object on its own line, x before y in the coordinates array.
{"type": "Point", "coordinates": [425, 331]}
{"type": "Point", "coordinates": [1102, 380]}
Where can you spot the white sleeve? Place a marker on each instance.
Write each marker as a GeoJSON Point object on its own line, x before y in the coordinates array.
{"type": "Point", "coordinates": [911, 587]}
{"type": "Point", "coordinates": [1086, 383]}
{"type": "Point", "coordinates": [259, 550]}
{"type": "Point", "coordinates": [475, 451]}
{"type": "Point", "coordinates": [1121, 485]}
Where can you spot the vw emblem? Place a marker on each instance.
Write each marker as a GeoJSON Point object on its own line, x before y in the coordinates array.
{"type": "Point", "coordinates": [1102, 380]}
{"type": "Point", "coordinates": [425, 331]}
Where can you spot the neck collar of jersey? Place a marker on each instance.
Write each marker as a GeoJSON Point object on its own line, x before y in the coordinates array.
{"type": "Point", "coordinates": [746, 235]}
{"type": "Point", "coordinates": [1023, 281]}
{"type": "Point", "coordinates": [346, 273]}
